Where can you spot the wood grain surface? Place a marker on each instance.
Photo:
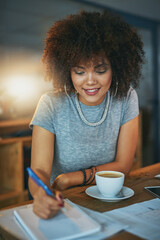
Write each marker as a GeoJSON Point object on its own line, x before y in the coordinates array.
{"type": "Point", "coordinates": [136, 180]}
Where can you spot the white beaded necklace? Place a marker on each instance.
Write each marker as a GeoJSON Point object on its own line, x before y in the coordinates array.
{"type": "Point", "coordinates": [83, 117]}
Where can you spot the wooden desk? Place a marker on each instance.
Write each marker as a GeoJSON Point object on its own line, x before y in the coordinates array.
{"type": "Point", "coordinates": [137, 180]}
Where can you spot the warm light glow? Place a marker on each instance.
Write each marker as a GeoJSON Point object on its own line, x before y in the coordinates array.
{"type": "Point", "coordinates": [21, 87]}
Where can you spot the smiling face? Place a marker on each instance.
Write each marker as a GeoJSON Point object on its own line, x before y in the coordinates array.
{"type": "Point", "coordinates": [92, 80]}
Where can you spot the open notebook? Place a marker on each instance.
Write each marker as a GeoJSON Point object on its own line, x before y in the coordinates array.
{"type": "Point", "coordinates": [69, 224]}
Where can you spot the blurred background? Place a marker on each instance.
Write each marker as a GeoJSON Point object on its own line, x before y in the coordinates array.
{"type": "Point", "coordinates": [23, 28]}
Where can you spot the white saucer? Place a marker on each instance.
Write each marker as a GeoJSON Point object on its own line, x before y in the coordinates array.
{"type": "Point", "coordinates": [157, 176]}
{"type": "Point", "coordinates": [124, 194]}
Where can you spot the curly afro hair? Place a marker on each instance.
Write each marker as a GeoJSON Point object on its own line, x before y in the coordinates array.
{"type": "Point", "coordinates": [78, 37]}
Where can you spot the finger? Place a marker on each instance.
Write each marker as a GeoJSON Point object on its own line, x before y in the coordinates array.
{"type": "Point", "coordinates": [46, 214]}
{"type": "Point", "coordinates": [45, 211]}
{"type": "Point", "coordinates": [44, 199]}
{"type": "Point", "coordinates": [59, 196]}
{"type": "Point", "coordinates": [45, 203]}
{"type": "Point", "coordinates": [46, 206]}
{"type": "Point", "coordinates": [53, 203]}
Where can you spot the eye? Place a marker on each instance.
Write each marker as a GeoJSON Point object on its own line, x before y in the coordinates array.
{"type": "Point", "coordinates": [79, 72]}
{"type": "Point", "coordinates": [101, 68]}
{"type": "Point", "coordinates": [101, 71]}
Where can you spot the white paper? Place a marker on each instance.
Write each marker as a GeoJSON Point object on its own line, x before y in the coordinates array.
{"type": "Point", "coordinates": [143, 218]}
{"type": "Point", "coordinates": [70, 224]}
{"type": "Point", "coordinates": [109, 226]}
{"type": "Point", "coordinates": [9, 223]}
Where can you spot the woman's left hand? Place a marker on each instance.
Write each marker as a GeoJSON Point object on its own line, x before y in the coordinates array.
{"type": "Point", "coordinates": [61, 182]}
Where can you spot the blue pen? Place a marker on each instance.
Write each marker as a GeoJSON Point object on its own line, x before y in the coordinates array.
{"type": "Point", "coordinates": [39, 182]}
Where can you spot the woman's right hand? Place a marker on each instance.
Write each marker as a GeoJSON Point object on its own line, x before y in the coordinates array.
{"type": "Point", "coordinates": [46, 206]}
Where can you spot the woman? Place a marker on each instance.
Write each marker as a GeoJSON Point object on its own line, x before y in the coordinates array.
{"type": "Point", "coordinates": [89, 122]}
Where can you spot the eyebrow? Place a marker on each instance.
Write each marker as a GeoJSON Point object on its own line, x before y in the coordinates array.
{"type": "Point", "coordinates": [99, 65]}
{"type": "Point", "coordinates": [79, 67]}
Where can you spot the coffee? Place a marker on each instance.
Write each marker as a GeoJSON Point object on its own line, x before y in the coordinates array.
{"type": "Point", "coordinates": [109, 175]}
{"type": "Point", "coordinates": [109, 183]}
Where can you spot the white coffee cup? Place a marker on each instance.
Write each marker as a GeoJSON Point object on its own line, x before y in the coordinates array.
{"type": "Point", "coordinates": [109, 183]}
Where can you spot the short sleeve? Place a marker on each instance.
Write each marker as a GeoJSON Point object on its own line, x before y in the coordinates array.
{"type": "Point", "coordinates": [44, 114]}
{"type": "Point", "coordinates": [130, 107]}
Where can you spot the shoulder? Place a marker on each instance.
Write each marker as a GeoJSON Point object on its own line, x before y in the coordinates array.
{"type": "Point", "coordinates": [131, 94]}
{"type": "Point", "coordinates": [130, 107]}
{"type": "Point", "coordinates": [130, 97]}
{"type": "Point", "coordinates": [52, 99]}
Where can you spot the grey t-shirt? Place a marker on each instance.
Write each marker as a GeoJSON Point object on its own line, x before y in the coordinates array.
{"type": "Point", "coordinates": [78, 145]}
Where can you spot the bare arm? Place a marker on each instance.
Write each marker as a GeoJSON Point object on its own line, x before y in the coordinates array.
{"type": "Point", "coordinates": [41, 162]}
{"type": "Point", "coordinates": [126, 147]}
{"type": "Point", "coordinates": [41, 156]}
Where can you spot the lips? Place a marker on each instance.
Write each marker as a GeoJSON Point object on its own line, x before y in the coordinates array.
{"type": "Point", "coordinates": [92, 91]}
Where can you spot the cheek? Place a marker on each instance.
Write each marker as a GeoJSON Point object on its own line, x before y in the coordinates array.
{"type": "Point", "coordinates": [110, 80]}
{"type": "Point", "coordinates": [74, 80]}
{"type": "Point", "coordinates": [77, 81]}
{"type": "Point", "coordinates": [107, 80]}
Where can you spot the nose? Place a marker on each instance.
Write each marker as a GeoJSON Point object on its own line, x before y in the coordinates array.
{"type": "Point", "coordinates": [91, 79]}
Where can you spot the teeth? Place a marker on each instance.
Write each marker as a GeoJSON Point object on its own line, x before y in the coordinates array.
{"type": "Point", "coordinates": [92, 90]}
